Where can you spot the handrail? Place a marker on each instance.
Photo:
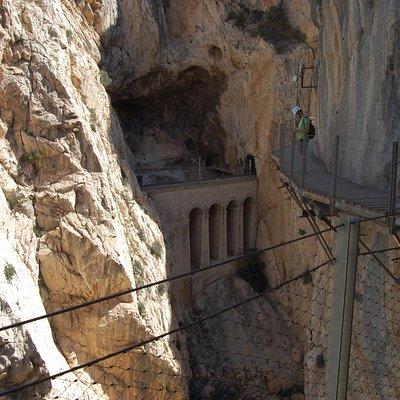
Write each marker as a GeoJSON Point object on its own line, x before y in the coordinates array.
{"type": "Point", "coordinates": [205, 182]}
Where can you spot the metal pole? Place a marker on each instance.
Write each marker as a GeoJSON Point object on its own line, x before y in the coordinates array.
{"type": "Point", "coordinates": [335, 172]}
{"type": "Point", "coordinates": [282, 146]}
{"type": "Point", "coordinates": [293, 153]}
{"type": "Point", "coordinates": [342, 308]}
{"type": "Point", "coordinates": [393, 189]}
{"type": "Point", "coordinates": [303, 146]}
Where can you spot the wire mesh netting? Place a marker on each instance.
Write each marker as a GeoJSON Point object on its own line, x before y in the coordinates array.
{"type": "Point", "coordinates": [266, 341]}
{"type": "Point", "coordinates": [374, 371]}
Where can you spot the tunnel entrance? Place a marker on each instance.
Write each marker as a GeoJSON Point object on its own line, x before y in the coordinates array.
{"type": "Point", "coordinates": [170, 119]}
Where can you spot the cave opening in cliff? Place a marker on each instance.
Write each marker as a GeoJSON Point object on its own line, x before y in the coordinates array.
{"type": "Point", "coordinates": [170, 120]}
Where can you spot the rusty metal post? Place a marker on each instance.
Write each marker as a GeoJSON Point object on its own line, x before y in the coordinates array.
{"type": "Point", "coordinates": [393, 188]}
{"type": "Point", "coordinates": [335, 172]}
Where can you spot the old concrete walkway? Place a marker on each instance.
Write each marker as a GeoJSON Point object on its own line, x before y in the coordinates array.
{"type": "Point", "coordinates": [350, 198]}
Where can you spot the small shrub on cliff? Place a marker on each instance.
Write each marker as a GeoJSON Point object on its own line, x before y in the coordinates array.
{"type": "Point", "coordinates": [138, 271]}
{"type": "Point", "coordinates": [9, 271]}
{"type": "Point", "coordinates": [156, 249]}
{"type": "Point", "coordinates": [275, 27]}
{"type": "Point", "coordinates": [161, 289]}
{"type": "Point", "coordinates": [239, 18]}
{"type": "Point", "coordinates": [142, 235]}
{"type": "Point", "coordinates": [105, 79]}
{"type": "Point", "coordinates": [33, 157]}
{"type": "Point", "coordinates": [17, 198]}
{"type": "Point", "coordinates": [142, 310]}
{"type": "Point", "coordinates": [272, 25]}
{"type": "Point", "coordinates": [19, 40]}
{"type": "Point", "coordinates": [307, 278]}
{"type": "Point", "coordinates": [302, 232]}
{"type": "Point", "coordinates": [37, 231]}
{"type": "Point", "coordinates": [93, 118]}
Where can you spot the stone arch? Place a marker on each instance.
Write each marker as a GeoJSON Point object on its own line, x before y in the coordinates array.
{"type": "Point", "coordinates": [214, 226]}
{"type": "Point", "coordinates": [196, 233]}
{"type": "Point", "coordinates": [232, 223]}
{"type": "Point", "coordinates": [249, 224]}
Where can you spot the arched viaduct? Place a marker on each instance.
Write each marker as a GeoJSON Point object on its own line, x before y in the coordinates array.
{"type": "Point", "coordinates": [205, 222]}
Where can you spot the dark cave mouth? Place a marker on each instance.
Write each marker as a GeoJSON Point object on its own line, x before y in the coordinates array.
{"type": "Point", "coordinates": [173, 120]}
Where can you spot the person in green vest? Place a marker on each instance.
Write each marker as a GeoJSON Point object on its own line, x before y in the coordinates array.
{"type": "Point", "coordinates": [304, 124]}
{"type": "Point", "coordinates": [303, 128]}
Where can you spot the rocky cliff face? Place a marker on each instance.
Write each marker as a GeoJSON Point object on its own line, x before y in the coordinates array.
{"type": "Point", "coordinates": [91, 88]}
{"type": "Point", "coordinates": [74, 223]}
{"type": "Point", "coordinates": [358, 85]}
{"type": "Point", "coordinates": [186, 77]}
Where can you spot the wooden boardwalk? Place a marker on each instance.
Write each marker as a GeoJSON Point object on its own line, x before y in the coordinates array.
{"type": "Point", "coordinates": [350, 197]}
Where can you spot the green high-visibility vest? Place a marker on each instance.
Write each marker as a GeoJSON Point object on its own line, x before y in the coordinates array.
{"type": "Point", "coordinates": [303, 128]}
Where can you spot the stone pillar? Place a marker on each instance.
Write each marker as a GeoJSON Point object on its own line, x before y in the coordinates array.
{"type": "Point", "coordinates": [232, 217]}
{"type": "Point", "coordinates": [184, 253]}
{"type": "Point", "coordinates": [254, 213]}
{"type": "Point", "coordinates": [205, 240]}
{"type": "Point", "coordinates": [239, 235]}
{"type": "Point", "coordinates": [223, 249]}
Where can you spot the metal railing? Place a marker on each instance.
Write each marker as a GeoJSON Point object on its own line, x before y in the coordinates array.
{"type": "Point", "coordinates": [305, 171]}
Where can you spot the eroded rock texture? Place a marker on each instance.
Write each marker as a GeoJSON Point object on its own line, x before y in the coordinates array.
{"type": "Point", "coordinates": [89, 89]}
{"type": "Point", "coordinates": [72, 211]}
{"type": "Point", "coordinates": [358, 85]}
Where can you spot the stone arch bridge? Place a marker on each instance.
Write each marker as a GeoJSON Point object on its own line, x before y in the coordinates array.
{"type": "Point", "coordinates": [205, 222]}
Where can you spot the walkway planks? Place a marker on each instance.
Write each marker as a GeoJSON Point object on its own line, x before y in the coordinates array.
{"type": "Point", "coordinates": [350, 197]}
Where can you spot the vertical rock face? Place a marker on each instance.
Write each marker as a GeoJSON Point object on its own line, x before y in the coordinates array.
{"type": "Point", "coordinates": [184, 78]}
{"type": "Point", "coordinates": [76, 226]}
{"type": "Point", "coordinates": [74, 222]}
{"type": "Point", "coordinates": [359, 85]}
{"type": "Point", "coordinates": [186, 71]}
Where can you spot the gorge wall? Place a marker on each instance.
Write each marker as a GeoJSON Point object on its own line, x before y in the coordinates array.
{"type": "Point", "coordinates": [89, 88]}
{"type": "Point", "coordinates": [358, 85]}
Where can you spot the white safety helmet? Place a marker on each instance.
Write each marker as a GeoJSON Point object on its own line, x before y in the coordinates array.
{"type": "Point", "coordinates": [296, 109]}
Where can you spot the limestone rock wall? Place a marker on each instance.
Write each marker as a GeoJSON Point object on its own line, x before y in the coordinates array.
{"type": "Point", "coordinates": [73, 211]}
{"type": "Point", "coordinates": [74, 222]}
{"type": "Point", "coordinates": [87, 89]}
{"type": "Point", "coordinates": [358, 85]}
{"type": "Point", "coordinates": [186, 72]}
